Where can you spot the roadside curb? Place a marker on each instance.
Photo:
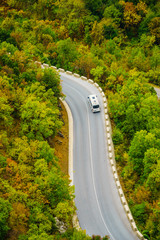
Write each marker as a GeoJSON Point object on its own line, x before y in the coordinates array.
{"type": "Point", "coordinates": [70, 120]}
{"type": "Point", "coordinates": [110, 146]}
{"type": "Point", "coordinates": [75, 220]}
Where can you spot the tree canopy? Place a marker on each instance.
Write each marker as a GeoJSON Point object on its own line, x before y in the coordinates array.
{"type": "Point", "coordinates": [116, 43]}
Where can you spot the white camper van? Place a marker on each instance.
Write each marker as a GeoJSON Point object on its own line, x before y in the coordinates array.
{"type": "Point", "coordinates": [94, 104]}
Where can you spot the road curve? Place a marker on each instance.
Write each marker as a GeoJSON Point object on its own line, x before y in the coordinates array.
{"type": "Point", "coordinates": [99, 208]}
{"type": "Point", "coordinates": [157, 89]}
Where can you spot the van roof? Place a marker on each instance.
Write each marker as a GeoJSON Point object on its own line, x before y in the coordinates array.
{"type": "Point", "coordinates": [93, 99]}
{"type": "Point", "coordinates": [93, 96]}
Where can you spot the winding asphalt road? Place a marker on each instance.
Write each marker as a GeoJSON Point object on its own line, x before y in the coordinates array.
{"type": "Point", "coordinates": [99, 208]}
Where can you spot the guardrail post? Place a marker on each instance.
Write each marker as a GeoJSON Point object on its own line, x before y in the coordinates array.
{"type": "Point", "coordinates": [61, 70]}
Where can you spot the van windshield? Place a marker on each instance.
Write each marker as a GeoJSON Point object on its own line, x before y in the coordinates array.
{"type": "Point", "coordinates": [96, 106]}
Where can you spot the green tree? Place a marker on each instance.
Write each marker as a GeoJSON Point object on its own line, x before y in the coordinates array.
{"type": "Point", "coordinates": [67, 53]}
{"type": "Point", "coordinates": [4, 35]}
{"type": "Point", "coordinates": [155, 58]}
{"type": "Point", "coordinates": [40, 223]}
{"type": "Point", "coordinates": [110, 31]}
{"type": "Point", "coordinates": [18, 218]}
{"type": "Point", "coordinates": [147, 41]}
{"type": "Point", "coordinates": [5, 110]}
{"type": "Point", "coordinates": [9, 47]}
{"type": "Point", "coordinates": [117, 136]}
{"type": "Point", "coordinates": [45, 151]}
{"type": "Point", "coordinates": [151, 158]}
{"type": "Point", "coordinates": [50, 183]}
{"type": "Point", "coordinates": [5, 209]}
{"type": "Point", "coordinates": [51, 80]}
{"type": "Point", "coordinates": [85, 64]}
{"type": "Point", "coordinates": [153, 181]}
{"type": "Point", "coordinates": [3, 162]}
{"type": "Point", "coordinates": [139, 145]}
{"type": "Point", "coordinates": [40, 92]}
{"type": "Point", "coordinates": [144, 25]}
{"type": "Point", "coordinates": [113, 13]}
{"type": "Point", "coordinates": [38, 120]}
{"type": "Point", "coordinates": [80, 235]}
{"type": "Point", "coordinates": [152, 223]}
{"type": "Point", "coordinates": [130, 16]}
{"type": "Point", "coordinates": [64, 212]}
{"type": "Point", "coordinates": [97, 32]}
{"type": "Point", "coordinates": [149, 112]}
{"type": "Point", "coordinates": [22, 151]}
{"type": "Point", "coordinates": [94, 6]}
{"type": "Point", "coordinates": [97, 73]}
{"type": "Point", "coordinates": [134, 106]}
{"type": "Point", "coordinates": [76, 29]}
{"type": "Point", "coordinates": [155, 28]}
{"type": "Point", "coordinates": [140, 213]}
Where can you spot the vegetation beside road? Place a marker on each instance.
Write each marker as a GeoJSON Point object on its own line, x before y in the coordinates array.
{"type": "Point", "coordinates": [116, 43]}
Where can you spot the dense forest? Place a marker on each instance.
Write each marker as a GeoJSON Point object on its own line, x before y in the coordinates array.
{"type": "Point", "coordinates": [116, 43]}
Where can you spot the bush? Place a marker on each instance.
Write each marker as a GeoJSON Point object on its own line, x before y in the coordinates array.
{"type": "Point", "coordinates": [140, 213]}
{"type": "Point", "coordinates": [5, 208]}
{"type": "Point", "coordinates": [3, 162]}
{"type": "Point", "coordinates": [117, 136]}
